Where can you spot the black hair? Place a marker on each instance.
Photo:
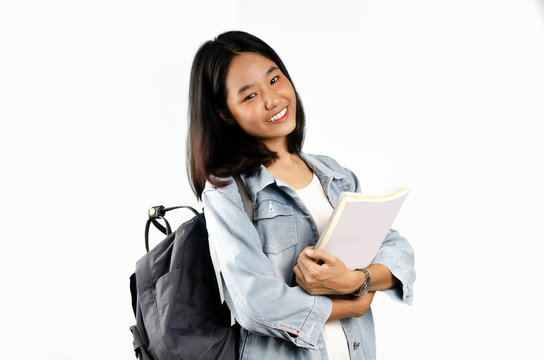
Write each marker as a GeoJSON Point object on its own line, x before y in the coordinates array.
{"type": "Point", "coordinates": [215, 148]}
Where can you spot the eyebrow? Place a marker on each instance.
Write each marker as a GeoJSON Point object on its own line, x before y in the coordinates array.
{"type": "Point", "coordinates": [245, 87]}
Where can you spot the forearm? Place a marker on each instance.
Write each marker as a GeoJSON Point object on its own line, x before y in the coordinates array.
{"type": "Point", "coordinates": [380, 278]}
{"type": "Point", "coordinates": [343, 308]}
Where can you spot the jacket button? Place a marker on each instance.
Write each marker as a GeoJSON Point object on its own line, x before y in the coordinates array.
{"type": "Point", "coordinates": [348, 185]}
{"type": "Point", "coordinates": [356, 345]}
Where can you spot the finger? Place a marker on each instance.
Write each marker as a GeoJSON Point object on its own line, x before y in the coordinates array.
{"type": "Point", "coordinates": [303, 252]}
{"type": "Point", "coordinates": [299, 278]}
{"type": "Point", "coordinates": [305, 263]}
{"type": "Point", "coordinates": [299, 274]}
{"type": "Point", "coordinates": [304, 260]}
{"type": "Point", "coordinates": [322, 255]}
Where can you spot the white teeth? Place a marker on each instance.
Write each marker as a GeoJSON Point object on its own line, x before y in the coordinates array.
{"type": "Point", "coordinates": [278, 115]}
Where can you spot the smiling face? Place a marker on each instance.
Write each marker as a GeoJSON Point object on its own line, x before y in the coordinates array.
{"type": "Point", "coordinates": [261, 98]}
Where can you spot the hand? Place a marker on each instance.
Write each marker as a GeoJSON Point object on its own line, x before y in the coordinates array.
{"type": "Point", "coordinates": [331, 277]}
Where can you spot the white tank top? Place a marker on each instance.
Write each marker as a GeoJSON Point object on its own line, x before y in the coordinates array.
{"type": "Point", "coordinates": [317, 203]}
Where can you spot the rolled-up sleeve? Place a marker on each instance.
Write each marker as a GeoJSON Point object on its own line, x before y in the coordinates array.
{"type": "Point", "coordinates": [398, 256]}
{"type": "Point", "coordinates": [259, 301]}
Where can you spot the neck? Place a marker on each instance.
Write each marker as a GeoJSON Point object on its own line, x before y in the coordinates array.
{"type": "Point", "coordinates": [291, 169]}
{"type": "Point", "coordinates": [287, 159]}
{"type": "Point", "coordinates": [279, 146]}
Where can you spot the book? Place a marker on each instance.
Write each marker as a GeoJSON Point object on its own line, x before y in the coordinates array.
{"type": "Point", "coordinates": [359, 224]}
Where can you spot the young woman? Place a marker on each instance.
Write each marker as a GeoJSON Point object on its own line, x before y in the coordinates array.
{"type": "Point", "coordinates": [246, 118]}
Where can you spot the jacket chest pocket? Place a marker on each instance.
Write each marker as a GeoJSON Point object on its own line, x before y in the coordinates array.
{"type": "Point", "coordinates": [275, 223]}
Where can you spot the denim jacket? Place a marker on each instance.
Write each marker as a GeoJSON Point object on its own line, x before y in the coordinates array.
{"type": "Point", "coordinates": [279, 319]}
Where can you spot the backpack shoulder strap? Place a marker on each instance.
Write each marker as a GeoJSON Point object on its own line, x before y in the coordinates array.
{"type": "Point", "coordinates": [244, 193]}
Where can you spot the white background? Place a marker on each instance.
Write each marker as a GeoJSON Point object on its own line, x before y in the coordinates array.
{"type": "Point", "coordinates": [443, 96]}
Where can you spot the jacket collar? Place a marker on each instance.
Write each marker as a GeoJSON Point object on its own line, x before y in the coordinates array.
{"type": "Point", "coordinates": [319, 167]}
{"type": "Point", "coordinates": [264, 177]}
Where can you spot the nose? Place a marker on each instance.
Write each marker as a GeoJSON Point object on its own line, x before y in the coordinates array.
{"type": "Point", "coordinates": [271, 100]}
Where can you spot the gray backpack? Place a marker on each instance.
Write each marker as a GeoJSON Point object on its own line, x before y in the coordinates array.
{"type": "Point", "coordinates": [175, 298]}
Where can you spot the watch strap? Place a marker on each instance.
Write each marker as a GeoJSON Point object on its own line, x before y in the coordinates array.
{"type": "Point", "coordinates": [365, 288]}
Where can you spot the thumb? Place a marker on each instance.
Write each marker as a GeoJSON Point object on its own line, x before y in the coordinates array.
{"type": "Point", "coordinates": [321, 256]}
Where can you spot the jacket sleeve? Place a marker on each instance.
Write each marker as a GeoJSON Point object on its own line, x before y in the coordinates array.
{"type": "Point", "coordinates": [398, 256]}
{"type": "Point", "coordinates": [260, 302]}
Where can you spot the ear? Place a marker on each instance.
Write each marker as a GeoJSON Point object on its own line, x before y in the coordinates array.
{"type": "Point", "coordinates": [226, 116]}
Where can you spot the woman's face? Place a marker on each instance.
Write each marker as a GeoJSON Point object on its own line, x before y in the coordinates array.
{"type": "Point", "coordinates": [260, 98]}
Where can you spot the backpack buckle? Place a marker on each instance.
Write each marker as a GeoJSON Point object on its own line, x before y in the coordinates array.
{"type": "Point", "coordinates": [156, 212]}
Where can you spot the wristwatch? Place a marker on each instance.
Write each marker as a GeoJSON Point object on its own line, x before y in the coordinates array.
{"type": "Point", "coordinates": [363, 290]}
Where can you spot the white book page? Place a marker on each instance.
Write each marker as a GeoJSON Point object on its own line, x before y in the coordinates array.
{"type": "Point", "coordinates": [362, 229]}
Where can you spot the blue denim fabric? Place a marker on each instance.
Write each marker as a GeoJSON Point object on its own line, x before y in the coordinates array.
{"type": "Point", "coordinates": [279, 320]}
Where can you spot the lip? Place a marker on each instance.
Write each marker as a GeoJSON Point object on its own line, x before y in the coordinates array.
{"type": "Point", "coordinates": [283, 118]}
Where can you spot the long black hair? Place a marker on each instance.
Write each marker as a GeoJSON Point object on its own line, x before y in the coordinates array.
{"type": "Point", "coordinates": [215, 148]}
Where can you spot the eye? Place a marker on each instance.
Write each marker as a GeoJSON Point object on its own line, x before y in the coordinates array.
{"type": "Point", "coordinates": [274, 79]}
{"type": "Point", "coordinates": [250, 96]}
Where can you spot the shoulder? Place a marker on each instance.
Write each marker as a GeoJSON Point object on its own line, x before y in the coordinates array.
{"type": "Point", "coordinates": [326, 161]}
{"type": "Point", "coordinates": [228, 192]}
{"type": "Point", "coordinates": [332, 167]}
